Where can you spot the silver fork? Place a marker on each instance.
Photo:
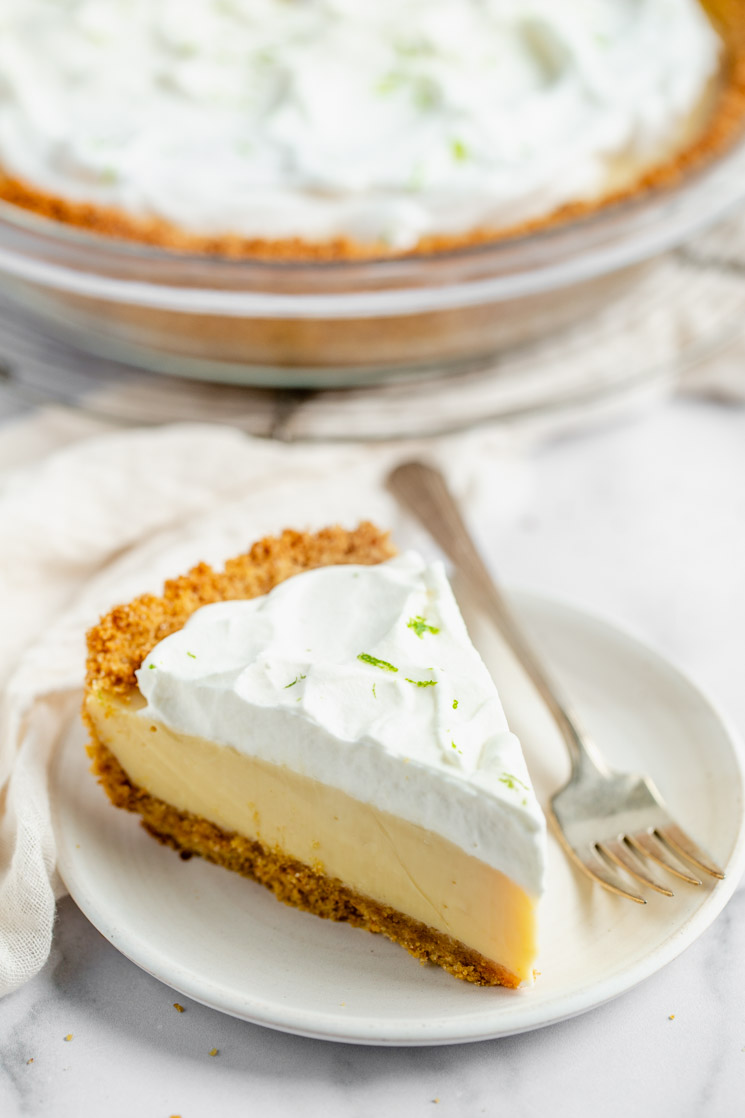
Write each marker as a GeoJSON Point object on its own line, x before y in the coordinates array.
{"type": "Point", "coordinates": [606, 821]}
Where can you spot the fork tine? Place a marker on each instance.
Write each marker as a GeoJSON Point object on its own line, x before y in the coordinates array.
{"type": "Point", "coordinates": [600, 872]}
{"type": "Point", "coordinates": [595, 868]}
{"type": "Point", "coordinates": [684, 846]}
{"type": "Point", "coordinates": [646, 844]}
{"type": "Point", "coordinates": [620, 854]}
{"type": "Point", "coordinates": [591, 864]}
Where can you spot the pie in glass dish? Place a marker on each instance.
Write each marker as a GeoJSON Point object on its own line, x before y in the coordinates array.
{"type": "Point", "coordinates": [329, 129]}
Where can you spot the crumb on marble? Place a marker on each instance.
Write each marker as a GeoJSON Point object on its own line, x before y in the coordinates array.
{"type": "Point", "coordinates": [671, 1017]}
{"type": "Point", "coordinates": [68, 1037]}
{"type": "Point", "coordinates": [30, 1060]}
{"type": "Point", "coordinates": [178, 1008]}
{"type": "Point", "coordinates": [214, 1052]}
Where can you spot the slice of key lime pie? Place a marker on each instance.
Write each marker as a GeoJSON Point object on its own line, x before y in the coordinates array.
{"type": "Point", "coordinates": [316, 717]}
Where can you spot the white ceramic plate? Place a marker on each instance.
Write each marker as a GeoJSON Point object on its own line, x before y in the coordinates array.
{"type": "Point", "coordinates": [226, 942]}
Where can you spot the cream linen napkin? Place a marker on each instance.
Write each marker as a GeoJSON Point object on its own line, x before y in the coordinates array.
{"type": "Point", "coordinates": [95, 524]}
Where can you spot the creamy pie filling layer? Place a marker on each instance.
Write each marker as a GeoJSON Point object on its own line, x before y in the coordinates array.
{"type": "Point", "coordinates": [372, 852]}
{"type": "Point", "coordinates": [363, 678]}
{"type": "Point", "coordinates": [383, 122]}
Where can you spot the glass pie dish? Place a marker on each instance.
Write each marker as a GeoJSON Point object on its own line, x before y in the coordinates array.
{"type": "Point", "coordinates": [334, 323]}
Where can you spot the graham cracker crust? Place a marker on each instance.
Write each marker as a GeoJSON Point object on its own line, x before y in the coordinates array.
{"type": "Point", "coordinates": [291, 881]}
{"type": "Point", "coordinates": [724, 127]}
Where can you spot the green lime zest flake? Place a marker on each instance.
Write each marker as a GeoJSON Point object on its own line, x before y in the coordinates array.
{"type": "Point", "coordinates": [459, 150]}
{"type": "Point", "coordinates": [455, 704]}
{"type": "Point", "coordinates": [420, 627]}
{"type": "Point", "coordinates": [391, 82]}
{"type": "Point", "coordinates": [374, 695]}
{"type": "Point", "coordinates": [295, 680]}
{"type": "Point", "coordinates": [422, 682]}
{"type": "Point", "coordinates": [413, 48]}
{"type": "Point", "coordinates": [366, 658]}
{"type": "Point", "coordinates": [418, 177]}
{"type": "Point", "coordinates": [512, 781]}
{"type": "Point", "coordinates": [455, 747]}
{"type": "Point", "coordinates": [152, 667]}
{"type": "Point", "coordinates": [425, 94]}
{"type": "Point", "coordinates": [192, 655]}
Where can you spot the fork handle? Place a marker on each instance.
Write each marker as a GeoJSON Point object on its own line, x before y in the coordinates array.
{"type": "Point", "coordinates": [423, 490]}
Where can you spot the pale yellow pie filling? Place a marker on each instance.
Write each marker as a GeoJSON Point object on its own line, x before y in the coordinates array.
{"type": "Point", "coordinates": [372, 852]}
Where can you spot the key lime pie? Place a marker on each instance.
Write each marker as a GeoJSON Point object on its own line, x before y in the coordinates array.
{"type": "Point", "coordinates": [334, 128]}
{"type": "Point", "coordinates": [316, 718]}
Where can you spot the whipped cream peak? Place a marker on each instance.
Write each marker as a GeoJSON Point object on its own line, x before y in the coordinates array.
{"type": "Point", "coordinates": [364, 678]}
{"type": "Point", "coordinates": [384, 121]}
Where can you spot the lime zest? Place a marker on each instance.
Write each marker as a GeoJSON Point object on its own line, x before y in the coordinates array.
{"type": "Point", "coordinates": [459, 150]}
{"type": "Point", "coordinates": [391, 82]}
{"type": "Point", "coordinates": [295, 680]}
{"type": "Point", "coordinates": [366, 658]}
{"type": "Point", "coordinates": [420, 626]}
{"type": "Point", "coordinates": [422, 682]}
{"type": "Point", "coordinates": [512, 781]}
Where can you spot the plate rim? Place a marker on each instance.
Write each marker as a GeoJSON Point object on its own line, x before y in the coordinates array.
{"type": "Point", "coordinates": [443, 1029]}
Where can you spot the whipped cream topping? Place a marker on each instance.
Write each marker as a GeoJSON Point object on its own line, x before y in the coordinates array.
{"type": "Point", "coordinates": [363, 678]}
{"type": "Point", "coordinates": [384, 121]}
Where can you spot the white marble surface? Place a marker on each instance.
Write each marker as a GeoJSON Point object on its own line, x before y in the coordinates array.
{"type": "Point", "coordinates": [643, 522]}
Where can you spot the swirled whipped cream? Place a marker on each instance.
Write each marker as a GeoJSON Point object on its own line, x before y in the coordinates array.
{"type": "Point", "coordinates": [383, 121]}
{"type": "Point", "coordinates": [363, 678]}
